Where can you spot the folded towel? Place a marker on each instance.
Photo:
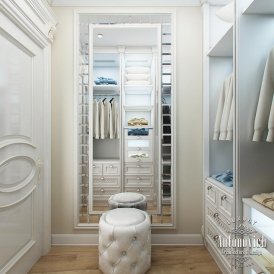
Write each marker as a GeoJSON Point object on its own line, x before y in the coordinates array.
{"type": "Point", "coordinates": [137, 77]}
{"type": "Point", "coordinates": [105, 81]}
{"type": "Point", "coordinates": [225, 178]}
{"type": "Point", "coordinates": [137, 70]}
{"type": "Point", "coordinates": [138, 131]}
{"type": "Point", "coordinates": [138, 83]}
{"type": "Point", "coordinates": [266, 199]}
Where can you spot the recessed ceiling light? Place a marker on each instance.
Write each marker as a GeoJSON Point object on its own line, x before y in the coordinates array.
{"type": "Point", "coordinates": [100, 35]}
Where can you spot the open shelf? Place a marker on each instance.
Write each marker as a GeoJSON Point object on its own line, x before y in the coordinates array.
{"type": "Point", "coordinates": [260, 7]}
{"type": "Point", "coordinates": [223, 47]}
{"type": "Point", "coordinates": [137, 89]}
{"type": "Point", "coordinates": [138, 108]}
{"type": "Point", "coordinates": [106, 89]}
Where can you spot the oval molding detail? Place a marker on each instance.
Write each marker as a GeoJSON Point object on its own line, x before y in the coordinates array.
{"type": "Point", "coordinates": [25, 181]}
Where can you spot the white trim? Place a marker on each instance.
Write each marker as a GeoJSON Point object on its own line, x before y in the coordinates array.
{"type": "Point", "coordinates": [215, 2]}
{"type": "Point", "coordinates": [157, 239]}
{"type": "Point", "coordinates": [125, 3]}
{"type": "Point", "coordinates": [33, 17]}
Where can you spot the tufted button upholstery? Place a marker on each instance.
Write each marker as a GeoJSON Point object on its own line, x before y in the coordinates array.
{"type": "Point", "coordinates": [124, 241]}
{"type": "Point", "coordinates": [128, 199]}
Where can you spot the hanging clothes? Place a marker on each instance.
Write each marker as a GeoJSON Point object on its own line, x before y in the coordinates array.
{"type": "Point", "coordinates": [105, 119]}
{"type": "Point", "coordinates": [265, 110]}
{"type": "Point", "coordinates": [223, 128]}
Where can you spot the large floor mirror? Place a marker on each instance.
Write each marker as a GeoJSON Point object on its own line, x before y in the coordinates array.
{"type": "Point", "coordinates": [125, 114]}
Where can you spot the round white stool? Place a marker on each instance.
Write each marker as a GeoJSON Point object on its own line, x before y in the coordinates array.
{"type": "Point", "coordinates": [128, 199]}
{"type": "Point", "coordinates": [124, 241]}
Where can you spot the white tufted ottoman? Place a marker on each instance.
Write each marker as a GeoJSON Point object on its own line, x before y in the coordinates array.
{"type": "Point", "coordinates": [124, 241]}
{"type": "Point", "coordinates": [128, 199]}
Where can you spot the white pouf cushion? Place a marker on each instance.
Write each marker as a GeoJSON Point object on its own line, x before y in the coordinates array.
{"type": "Point", "coordinates": [128, 199]}
{"type": "Point", "coordinates": [124, 241]}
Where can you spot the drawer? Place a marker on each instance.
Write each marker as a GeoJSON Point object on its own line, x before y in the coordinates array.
{"type": "Point", "coordinates": [225, 202]}
{"type": "Point", "coordinates": [111, 168]}
{"type": "Point", "coordinates": [212, 237]}
{"type": "Point", "coordinates": [138, 156]}
{"type": "Point", "coordinates": [217, 218]}
{"type": "Point", "coordinates": [139, 181]}
{"type": "Point", "coordinates": [106, 181]}
{"type": "Point", "coordinates": [138, 145]}
{"type": "Point", "coordinates": [211, 193]}
{"type": "Point", "coordinates": [97, 168]}
{"type": "Point", "coordinates": [138, 169]}
{"type": "Point", "coordinates": [103, 193]}
{"type": "Point", "coordinates": [148, 192]}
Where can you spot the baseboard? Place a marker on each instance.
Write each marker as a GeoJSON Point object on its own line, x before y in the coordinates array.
{"type": "Point", "coordinates": [157, 239]}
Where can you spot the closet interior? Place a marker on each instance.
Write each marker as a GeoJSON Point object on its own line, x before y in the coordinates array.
{"type": "Point", "coordinates": [238, 169]}
{"type": "Point", "coordinates": [125, 114]}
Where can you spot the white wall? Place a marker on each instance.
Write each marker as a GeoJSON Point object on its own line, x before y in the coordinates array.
{"type": "Point", "coordinates": [189, 120]}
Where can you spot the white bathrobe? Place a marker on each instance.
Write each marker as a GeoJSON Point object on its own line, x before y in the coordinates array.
{"type": "Point", "coordinates": [265, 109]}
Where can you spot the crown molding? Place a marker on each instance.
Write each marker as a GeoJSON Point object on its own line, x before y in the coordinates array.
{"type": "Point", "coordinates": [34, 17]}
{"type": "Point", "coordinates": [126, 3]}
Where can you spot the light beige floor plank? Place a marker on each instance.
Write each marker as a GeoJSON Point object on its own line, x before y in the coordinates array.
{"type": "Point", "coordinates": [165, 260]}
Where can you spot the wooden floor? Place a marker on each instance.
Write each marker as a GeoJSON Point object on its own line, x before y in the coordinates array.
{"type": "Point", "coordinates": [165, 260]}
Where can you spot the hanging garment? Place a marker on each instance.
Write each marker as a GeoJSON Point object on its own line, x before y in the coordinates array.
{"type": "Point", "coordinates": [265, 108]}
{"type": "Point", "coordinates": [114, 108]}
{"type": "Point", "coordinates": [96, 115]}
{"type": "Point", "coordinates": [220, 116]}
{"type": "Point", "coordinates": [226, 110]}
{"type": "Point", "coordinates": [106, 116]}
{"type": "Point", "coordinates": [102, 119]}
{"type": "Point", "coordinates": [229, 136]}
{"type": "Point", "coordinates": [111, 124]}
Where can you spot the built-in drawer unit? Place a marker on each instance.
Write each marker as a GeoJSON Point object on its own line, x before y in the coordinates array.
{"type": "Point", "coordinates": [106, 181]}
{"type": "Point", "coordinates": [225, 203]}
{"type": "Point", "coordinates": [138, 181]}
{"type": "Point", "coordinates": [103, 193]}
{"type": "Point", "coordinates": [211, 192]}
{"type": "Point", "coordinates": [138, 145]}
{"type": "Point", "coordinates": [138, 168]}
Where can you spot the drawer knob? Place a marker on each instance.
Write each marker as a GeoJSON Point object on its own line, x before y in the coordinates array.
{"type": "Point", "coordinates": [93, 166]}
{"type": "Point", "coordinates": [111, 166]}
{"type": "Point", "coordinates": [102, 190]}
{"type": "Point", "coordinates": [102, 178]}
{"type": "Point", "coordinates": [138, 189]}
{"type": "Point", "coordinates": [138, 148]}
{"type": "Point", "coordinates": [139, 137]}
{"type": "Point", "coordinates": [139, 160]}
{"type": "Point", "coordinates": [138, 178]}
{"type": "Point", "coordinates": [216, 215]}
{"type": "Point", "coordinates": [223, 197]}
{"type": "Point", "coordinates": [209, 187]}
{"type": "Point", "coordinates": [138, 166]}
{"type": "Point", "coordinates": [216, 237]}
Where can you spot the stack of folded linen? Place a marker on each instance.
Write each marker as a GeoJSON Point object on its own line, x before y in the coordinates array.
{"type": "Point", "coordinates": [138, 131]}
{"type": "Point", "coordinates": [266, 199]}
{"type": "Point", "coordinates": [105, 81]}
{"type": "Point", "coordinates": [137, 122]}
{"type": "Point", "coordinates": [225, 178]}
{"type": "Point", "coordinates": [137, 76]}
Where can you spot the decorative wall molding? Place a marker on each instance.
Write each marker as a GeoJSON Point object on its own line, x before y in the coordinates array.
{"type": "Point", "coordinates": [215, 2]}
{"type": "Point", "coordinates": [34, 17]}
{"type": "Point", "coordinates": [126, 3]}
{"type": "Point", "coordinates": [157, 239]}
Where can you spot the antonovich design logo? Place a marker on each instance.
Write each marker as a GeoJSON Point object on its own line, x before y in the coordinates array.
{"type": "Point", "coordinates": [240, 243]}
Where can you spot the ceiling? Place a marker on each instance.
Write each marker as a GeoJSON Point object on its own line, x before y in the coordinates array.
{"type": "Point", "coordinates": [125, 36]}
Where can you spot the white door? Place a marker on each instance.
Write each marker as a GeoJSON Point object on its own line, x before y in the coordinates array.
{"type": "Point", "coordinates": [21, 149]}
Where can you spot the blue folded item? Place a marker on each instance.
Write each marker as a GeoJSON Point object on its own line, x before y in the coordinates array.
{"type": "Point", "coordinates": [105, 81]}
{"type": "Point", "coordinates": [138, 131]}
{"type": "Point", "coordinates": [225, 178]}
